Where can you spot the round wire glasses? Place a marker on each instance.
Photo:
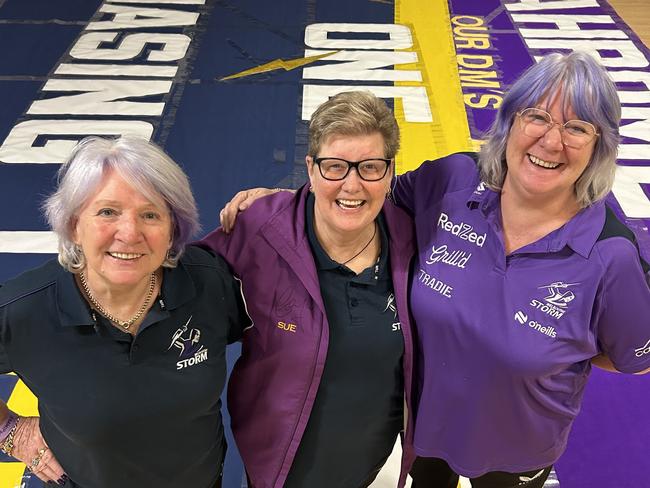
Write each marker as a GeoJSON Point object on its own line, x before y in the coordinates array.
{"type": "Point", "coordinates": [536, 122]}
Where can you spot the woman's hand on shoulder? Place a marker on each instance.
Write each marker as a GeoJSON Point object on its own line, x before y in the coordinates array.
{"type": "Point", "coordinates": [31, 449]}
{"type": "Point", "coordinates": [240, 202]}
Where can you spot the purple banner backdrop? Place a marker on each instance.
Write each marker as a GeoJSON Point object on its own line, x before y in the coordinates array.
{"type": "Point", "coordinates": [496, 40]}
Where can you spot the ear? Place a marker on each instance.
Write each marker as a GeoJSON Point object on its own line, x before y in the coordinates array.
{"type": "Point", "coordinates": [391, 175]}
{"type": "Point", "coordinates": [74, 233]}
{"type": "Point", "coordinates": [311, 167]}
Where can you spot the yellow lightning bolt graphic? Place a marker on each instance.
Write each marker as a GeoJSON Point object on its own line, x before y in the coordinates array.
{"type": "Point", "coordinates": [285, 64]}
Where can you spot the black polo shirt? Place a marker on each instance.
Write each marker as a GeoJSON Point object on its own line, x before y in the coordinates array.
{"type": "Point", "coordinates": [358, 410]}
{"type": "Point", "coordinates": [124, 411]}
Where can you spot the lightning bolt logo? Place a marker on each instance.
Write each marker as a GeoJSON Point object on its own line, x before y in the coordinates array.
{"type": "Point", "coordinates": [285, 64]}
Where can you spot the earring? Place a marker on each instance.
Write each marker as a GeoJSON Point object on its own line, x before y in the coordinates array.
{"type": "Point", "coordinates": [76, 258]}
{"type": "Point", "coordinates": [169, 259]}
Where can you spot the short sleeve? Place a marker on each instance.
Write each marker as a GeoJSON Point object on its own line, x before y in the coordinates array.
{"type": "Point", "coordinates": [424, 186]}
{"type": "Point", "coordinates": [239, 319]}
{"type": "Point", "coordinates": [5, 367]}
{"type": "Point", "coordinates": [237, 315]}
{"type": "Point", "coordinates": [403, 188]}
{"type": "Point", "coordinates": [623, 321]}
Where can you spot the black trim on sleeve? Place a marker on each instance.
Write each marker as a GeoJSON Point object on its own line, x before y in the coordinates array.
{"type": "Point", "coordinates": [613, 227]}
{"type": "Point", "coordinates": [471, 154]}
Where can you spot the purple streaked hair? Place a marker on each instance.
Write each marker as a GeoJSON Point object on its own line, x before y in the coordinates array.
{"type": "Point", "coordinates": [589, 91]}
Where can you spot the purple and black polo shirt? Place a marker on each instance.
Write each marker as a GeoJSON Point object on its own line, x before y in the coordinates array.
{"type": "Point", "coordinates": [505, 341]}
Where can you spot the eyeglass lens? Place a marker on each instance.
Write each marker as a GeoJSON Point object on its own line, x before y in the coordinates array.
{"type": "Point", "coordinates": [575, 133]}
{"type": "Point", "coordinates": [337, 169]}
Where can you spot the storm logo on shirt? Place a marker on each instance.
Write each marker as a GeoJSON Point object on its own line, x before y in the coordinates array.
{"type": "Point", "coordinates": [557, 300]}
{"type": "Point", "coordinates": [188, 342]}
{"type": "Point", "coordinates": [390, 305]}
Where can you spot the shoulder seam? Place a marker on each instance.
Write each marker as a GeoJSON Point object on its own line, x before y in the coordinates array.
{"type": "Point", "coordinates": [613, 227]}
{"type": "Point", "coordinates": [27, 293]}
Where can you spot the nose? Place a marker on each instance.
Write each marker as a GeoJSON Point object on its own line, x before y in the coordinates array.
{"type": "Point", "coordinates": [128, 230]}
{"type": "Point", "coordinates": [352, 181]}
{"type": "Point", "coordinates": [552, 140]}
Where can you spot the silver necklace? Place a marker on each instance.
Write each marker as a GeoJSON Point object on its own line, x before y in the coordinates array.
{"type": "Point", "coordinates": [374, 233]}
{"type": "Point", "coordinates": [125, 324]}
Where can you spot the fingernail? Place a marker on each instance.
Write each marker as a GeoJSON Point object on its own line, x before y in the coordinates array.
{"type": "Point", "coordinates": [61, 481]}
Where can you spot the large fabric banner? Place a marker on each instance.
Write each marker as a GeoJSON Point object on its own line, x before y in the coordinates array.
{"type": "Point", "coordinates": [227, 88]}
{"type": "Point", "coordinates": [496, 40]}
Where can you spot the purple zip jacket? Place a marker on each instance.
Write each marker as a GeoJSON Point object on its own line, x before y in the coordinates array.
{"type": "Point", "coordinates": [274, 383]}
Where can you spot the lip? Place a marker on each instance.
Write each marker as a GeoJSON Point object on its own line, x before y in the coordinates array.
{"type": "Point", "coordinates": [349, 204]}
{"type": "Point", "coordinates": [542, 163]}
{"type": "Point", "coordinates": [124, 256]}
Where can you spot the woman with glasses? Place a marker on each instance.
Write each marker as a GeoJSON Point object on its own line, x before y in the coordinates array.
{"type": "Point", "coordinates": [317, 396]}
{"type": "Point", "coordinates": [524, 279]}
{"type": "Point", "coordinates": [535, 281]}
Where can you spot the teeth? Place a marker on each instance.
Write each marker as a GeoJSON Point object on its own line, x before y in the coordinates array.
{"type": "Point", "coordinates": [542, 163]}
{"type": "Point", "coordinates": [124, 255]}
{"type": "Point", "coordinates": [350, 203]}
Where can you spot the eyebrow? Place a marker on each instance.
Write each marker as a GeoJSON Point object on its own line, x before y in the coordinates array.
{"type": "Point", "coordinates": [115, 203]}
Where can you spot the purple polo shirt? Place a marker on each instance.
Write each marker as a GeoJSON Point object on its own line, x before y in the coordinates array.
{"type": "Point", "coordinates": [505, 341]}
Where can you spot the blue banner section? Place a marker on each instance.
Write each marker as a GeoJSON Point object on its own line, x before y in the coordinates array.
{"type": "Point", "coordinates": [76, 68]}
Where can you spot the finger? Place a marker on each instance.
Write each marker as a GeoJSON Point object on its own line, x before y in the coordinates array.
{"type": "Point", "coordinates": [52, 465]}
{"type": "Point", "coordinates": [252, 195]}
{"type": "Point", "coordinates": [226, 219]}
{"type": "Point", "coordinates": [240, 199]}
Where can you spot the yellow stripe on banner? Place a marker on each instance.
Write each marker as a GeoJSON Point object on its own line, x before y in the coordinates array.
{"type": "Point", "coordinates": [11, 475]}
{"type": "Point", "coordinates": [433, 41]}
{"type": "Point", "coordinates": [23, 401]}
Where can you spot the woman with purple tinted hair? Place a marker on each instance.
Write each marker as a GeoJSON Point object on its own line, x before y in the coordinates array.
{"type": "Point", "coordinates": [524, 279]}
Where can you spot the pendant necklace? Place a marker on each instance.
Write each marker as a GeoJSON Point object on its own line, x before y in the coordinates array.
{"type": "Point", "coordinates": [374, 233]}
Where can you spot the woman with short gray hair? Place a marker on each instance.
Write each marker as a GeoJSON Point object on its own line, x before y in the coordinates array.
{"type": "Point", "coordinates": [123, 340]}
{"type": "Point", "coordinates": [317, 397]}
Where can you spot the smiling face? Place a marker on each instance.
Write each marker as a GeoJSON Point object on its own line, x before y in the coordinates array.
{"type": "Point", "coordinates": [345, 208]}
{"type": "Point", "coordinates": [544, 166]}
{"type": "Point", "coordinates": [124, 235]}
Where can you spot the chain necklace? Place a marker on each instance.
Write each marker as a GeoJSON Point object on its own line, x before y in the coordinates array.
{"type": "Point", "coordinates": [125, 324]}
{"type": "Point", "coordinates": [374, 233]}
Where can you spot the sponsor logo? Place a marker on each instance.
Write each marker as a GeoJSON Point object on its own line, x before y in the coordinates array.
{"type": "Point", "coordinates": [461, 230]}
{"type": "Point", "coordinates": [442, 254]}
{"type": "Point", "coordinates": [522, 318]}
{"type": "Point", "coordinates": [187, 340]}
{"type": "Point", "coordinates": [436, 285]}
{"type": "Point", "coordinates": [480, 189]}
{"type": "Point", "coordinates": [556, 301]}
{"type": "Point", "coordinates": [390, 305]}
{"type": "Point", "coordinates": [643, 350]}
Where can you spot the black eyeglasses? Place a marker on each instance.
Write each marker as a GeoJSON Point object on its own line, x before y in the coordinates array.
{"type": "Point", "coordinates": [336, 169]}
